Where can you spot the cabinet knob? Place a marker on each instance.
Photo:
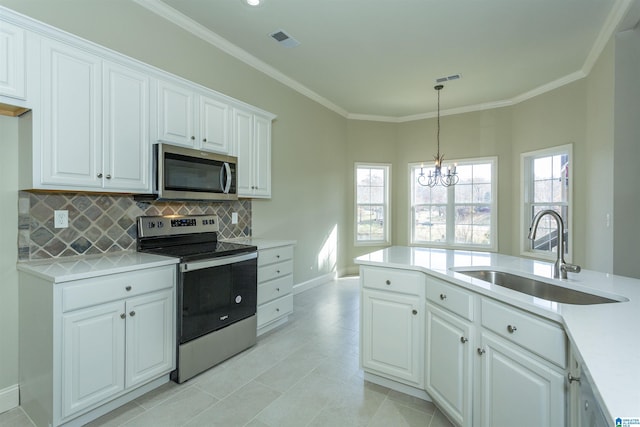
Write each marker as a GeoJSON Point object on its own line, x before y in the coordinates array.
{"type": "Point", "coordinates": [122, 316]}
{"type": "Point", "coordinates": [414, 312]}
{"type": "Point", "coordinates": [443, 297]}
{"type": "Point", "coordinates": [128, 288]}
{"type": "Point", "coordinates": [277, 309]}
{"type": "Point", "coordinates": [277, 289]}
{"type": "Point", "coordinates": [463, 340]}
{"type": "Point", "coordinates": [278, 256]}
{"type": "Point", "coordinates": [481, 351]}
{"type": "Point", "coordinates": [571, 378]}
{"type": "Point", "coordinates": [388, 282]}
{"type": "Point", "coordinates": [204, 139]}
{"type": "Point", "coordinates": [278, 271]}
{"type": "Point", "coordinates": [193, 138]}
{"type": "Point", "coordinates": [132, 313]}
{"type": "Point", "coordinates": [108, 176]}
{"type": "Point", "coordinates": [100, 175]}
{"type": "Point", "coordinates": [511, 329]}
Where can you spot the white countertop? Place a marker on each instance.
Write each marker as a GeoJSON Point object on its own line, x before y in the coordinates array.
{"type": "Point", "coordinates": [262, 243]}
{"type": "Point", "coordinates": [58, 270]}
{"type": "Point", "coordinates": [605, 336]}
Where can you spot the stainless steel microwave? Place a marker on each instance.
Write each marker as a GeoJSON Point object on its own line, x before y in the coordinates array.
{"type": "Point", "coordinates": [187, 174]}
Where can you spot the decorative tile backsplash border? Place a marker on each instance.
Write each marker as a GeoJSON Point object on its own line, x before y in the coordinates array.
{"type": "Point", "coordinates": [100, 223]}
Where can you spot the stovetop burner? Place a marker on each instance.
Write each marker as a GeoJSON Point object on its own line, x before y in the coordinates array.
{"type": "Point", "coordinates": [189, 238]}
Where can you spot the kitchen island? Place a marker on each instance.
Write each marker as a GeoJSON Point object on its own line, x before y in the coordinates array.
{"type": "Point", "coordinates": [602, 337]}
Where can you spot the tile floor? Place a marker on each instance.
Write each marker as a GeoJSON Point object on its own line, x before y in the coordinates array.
{"type": "Point", "coordinates": [305, 373]}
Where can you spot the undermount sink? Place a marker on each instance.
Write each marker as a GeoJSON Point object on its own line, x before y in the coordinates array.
{"type": "Point", "coordinates": [537, 288]}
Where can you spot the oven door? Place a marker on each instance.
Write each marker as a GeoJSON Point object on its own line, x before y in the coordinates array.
{"type": "Point", "coordinates": [216, 293]}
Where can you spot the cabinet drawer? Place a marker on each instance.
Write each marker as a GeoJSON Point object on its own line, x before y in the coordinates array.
{"type": "Point", "coordinates": [275, 289]}
{"type": "Point", "coordinates": [269, 256]}
{"type": "Point", "coordinates": [274, 310]}
{"type": "Point", "coordinates": [536, 335]}
{"type": "Point", "coordinates": [388, 279]}
{"type": "Point", "coordinates": [98, 290]}
{"type": "Point", "coordinates": [274, 271]}
{"type": "Point", "coordinates": [450, 297]}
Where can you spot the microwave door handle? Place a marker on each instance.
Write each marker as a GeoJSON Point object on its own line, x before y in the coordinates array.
{"type": "Point", "coordinates": [227, 185]}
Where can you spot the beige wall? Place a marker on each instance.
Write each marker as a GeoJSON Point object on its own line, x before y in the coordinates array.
{"type": "Point", "coordinates": [8, 252]}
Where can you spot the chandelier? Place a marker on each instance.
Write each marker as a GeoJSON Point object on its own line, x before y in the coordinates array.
{"type": "Point", "coordinates": [441, 177]}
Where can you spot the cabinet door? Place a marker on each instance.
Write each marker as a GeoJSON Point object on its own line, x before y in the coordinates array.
{"type": "Point", "coordinates": [150, 337]}
{"type": "Point", "coordinates": [214, 125]}
{"type": "Point", "coordinates": [517, 389]}
{"type": "Point", "coordinates": [449, 363]}
{"type": "Point", "coordinates": [126, 130]}
{"type": "Point", "coordinates": [92, 356]}
{"type": "Point", "coordinates": [12, 61]}
{"type": "Point", "coordinates": [262, 157]}
{"type": "Point", "coordinates": [392, 336]}
{"type": "Point", "coordinates": [71, 146]}
{"type": "Point", "coordinates": [243, 135]}
{"type": "Point", "coordinates": [176, 121]}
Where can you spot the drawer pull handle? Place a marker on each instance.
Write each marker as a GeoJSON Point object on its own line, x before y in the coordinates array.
{"type": "Point", "coordinates": [463, 340]}
{"type": "Point", "coordinates": [122, 316]}
{"type": "Point", "coordinates": [128, 288]}
{"type": "Point", "coordinates": [132, 313]}
{"type": "Point", "coordinates": [388, 282]}
{"type": "Point", "coordinates": [443, 297]}
{"type": "Point", "coordinates": [571, 378]}
{"type": "Point", "coordinates": [481, 351]}
{"type": "Point", "coordinates": [414, 312]}
{"type": "Point", "coordinates": [511, 329]}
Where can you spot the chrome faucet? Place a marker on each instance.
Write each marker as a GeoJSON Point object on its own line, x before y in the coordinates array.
{"type": "Point", "coordinates": [560, 267]}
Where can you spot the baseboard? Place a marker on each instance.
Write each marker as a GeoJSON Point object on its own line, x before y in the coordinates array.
{"type": "Point", "coordinates": [9, 398]}
{"type": "Point", "coordinates": [393, 385]}
{"type": "Point", "coordinates": [353, 270]}
{"type": "Point", "coordinates": [309, 284]}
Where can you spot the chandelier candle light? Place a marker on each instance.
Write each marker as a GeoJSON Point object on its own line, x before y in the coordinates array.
{"type": "Point", "coordinates": [437, 177]}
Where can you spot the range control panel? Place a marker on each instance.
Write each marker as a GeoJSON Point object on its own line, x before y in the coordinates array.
{"type": "Point", "coordinates": [169, 225]}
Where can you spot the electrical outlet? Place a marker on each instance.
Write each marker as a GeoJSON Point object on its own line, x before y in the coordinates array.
{"type": "Point", "coordinates": [234, 217]}
{"type": "Point", "coordinates": [60, 219]}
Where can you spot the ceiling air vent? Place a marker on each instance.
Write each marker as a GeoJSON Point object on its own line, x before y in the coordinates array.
{"type": "Point", "coordinates": [449, 78]}
{"type": "Point", "coordinates": [284, 39]}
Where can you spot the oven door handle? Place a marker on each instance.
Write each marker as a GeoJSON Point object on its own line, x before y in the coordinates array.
{"type": "Point", "coordinates": [216, 262]}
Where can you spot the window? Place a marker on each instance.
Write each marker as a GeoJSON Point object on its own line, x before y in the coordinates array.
{"type": "Point", "coordinates": [546, 185]}
{"type": "Point", "coordinates": [372, 204]}
{"type": "Point", "coordinates": [463, 215]}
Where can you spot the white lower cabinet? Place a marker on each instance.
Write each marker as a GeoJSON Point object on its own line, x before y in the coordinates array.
{"type": "Point", "coordinates": [517, 389]}
{"type": "Point", "coordinates": [275, 286]}
{"type": "Point", "coordinates": [449, 363]}
{"type": "Point", "coordinates": [517, 377]}
{"type": "Point", "coordinates": [392, 325]}
{"type": "Point", "coordinates": [109, 336]}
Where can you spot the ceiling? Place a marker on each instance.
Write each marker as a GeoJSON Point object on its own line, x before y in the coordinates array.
{"type": "Point", "coordinates": [379, 59]}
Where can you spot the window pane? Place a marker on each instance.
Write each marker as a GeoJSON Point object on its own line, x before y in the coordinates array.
{"type": "Point", "coordinates": [363, 176]}
{"type": "Point", "coordinates": [370, 222]}
{"type": "Point", "coordinates": [464, 193]}
{"type": "Point", "coordinates": [371, 203]}
{"type": "Point", "coordinates": [430, 223]}
{"type": "Point", "coordinates": [482, 173]}
{"type": "Point", "coordinates": [377, 194]}
{"type": "Point", "coordinates": [482, 193]}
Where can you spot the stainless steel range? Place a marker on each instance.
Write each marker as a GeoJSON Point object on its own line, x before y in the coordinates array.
{"type": "Point", "coordinates": [216, 293]}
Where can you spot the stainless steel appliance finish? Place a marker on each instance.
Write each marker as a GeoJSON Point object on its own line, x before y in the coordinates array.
{"type": "Point", "coordinates": [187, 174]}
{"type": "Point", "coordinates": [537, 288]}
{"type": "Point", "coordinates": [216, 292]}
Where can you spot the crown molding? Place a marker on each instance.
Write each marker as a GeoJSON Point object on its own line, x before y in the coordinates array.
{"type": "Point", "coordinates": [613, 21]}
{"type": "Point", "coordinates": [198, 30]}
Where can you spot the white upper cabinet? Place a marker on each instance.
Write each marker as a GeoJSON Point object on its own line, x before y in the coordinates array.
{"type": "Point", "coordinates": [252, 138]}
{"type": "Point", "coordinates": [12, 61]}
{"type": "Point", "coordinates": [126, 144]}
{"type": "Point", "coordinates": [71, 140]}
{"type": "Point", "coordinates": [192, 118]}
{"type": "Point", "coordinates": [95, 123]}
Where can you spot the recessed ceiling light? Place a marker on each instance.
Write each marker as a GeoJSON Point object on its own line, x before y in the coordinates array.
{"type": "Point", "coordinates": [252, 2]}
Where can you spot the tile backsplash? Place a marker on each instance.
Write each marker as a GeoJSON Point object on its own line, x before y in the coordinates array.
{"type": "Point", "coordinates": [100, 223]}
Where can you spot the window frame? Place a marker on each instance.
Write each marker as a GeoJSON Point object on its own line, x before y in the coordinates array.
{"type": "Point", "coordinates": [386, 241]}
{"type": "Point", "coordinates": [526, 203]}
{"type": "Point", "coordinates": [451, 204]}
